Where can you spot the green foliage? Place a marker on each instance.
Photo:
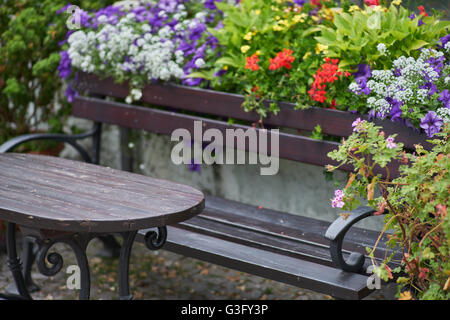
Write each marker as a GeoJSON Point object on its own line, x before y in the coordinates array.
{"type": "Point", "coordinates": [30, 31]}
{"type": "Point", "coordinates": [416, 202]}
{"type": "Point", "coordinates": [354, 37]}
{"type": "Point", "coordinates": [266, 28]}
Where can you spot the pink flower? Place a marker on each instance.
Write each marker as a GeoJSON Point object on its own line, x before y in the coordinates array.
{"type": "Point", "coordinates": [356, 123]}
{"type": "Point", "coordinates": [390, 143]}
{"type": "Point", "coordinates": [337, 204]}
{"type": "Point", "coordinates": [338, 193]}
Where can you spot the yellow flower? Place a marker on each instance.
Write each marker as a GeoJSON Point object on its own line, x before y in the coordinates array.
{"type": "Point", "coordinates": [315, 18]}
{"type": "Point", "coordinates": [326, 13]}
{"type": "Point", "coordinates": [277, 28]}
{"type": "Point", "coordinates": [299, 18]}
{"type": "Point", "coordinates": [307, 55]}
{"type": "Point", "coordinates": [277, 18]}
{"type": "Point", "coordinates": [248, 36]}
{"type": "Point", "coordinates": [405, 296]}
{"type": "Point", "coordinates": [321, 48]}
{"type": "Point", "coordinates": [225, 68]}
{"type": "Point", "coordinates": [258, 52]}
{"type": "Point", "coordinates": [354, 8]}
{"type": "Point", "coordinates": [258, 12]}
{"type": "Point", "coordinates": [397, 2]}
{"type": "Point", "coordinates": [244, 49]}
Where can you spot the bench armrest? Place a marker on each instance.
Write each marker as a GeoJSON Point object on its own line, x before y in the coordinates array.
{"type": "Point", "coordinates": [336, 233]}
{"type": "Point", "coordinates": [71, 139]}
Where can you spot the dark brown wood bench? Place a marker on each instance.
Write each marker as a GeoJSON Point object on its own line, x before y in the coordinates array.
{"type": "Point", "coordinates": [305, 252]}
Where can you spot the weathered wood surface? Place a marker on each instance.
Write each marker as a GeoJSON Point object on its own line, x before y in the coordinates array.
{"type": "Point", "coordinates": [291, 146]}
{"type": "Point", "coordinates": [59, 194]}
{"type": "Point", "coordinates": [333, 122]}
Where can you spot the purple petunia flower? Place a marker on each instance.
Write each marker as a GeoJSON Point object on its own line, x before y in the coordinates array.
{"type": "Point", "coordinates": [210, 4]}
{"type": "Point", "coordinates": [361, 77]}
{"type": "Point", "coordinates": [197, 32]}
{"type": "Point", "coordinates": [431, 123]}
{"type": "Point", "coordinates": [71, 94]}
{"type": "Point", "coordinates": [396, 112]}
{"type": "Point", "coordinates": [299, 2]}
{"type": "Point", "coordinates": [444, 41]}
{"type": "Point", "coordinates": [65, 64]}
{"type": "Point", "coordinates": [444, 97]}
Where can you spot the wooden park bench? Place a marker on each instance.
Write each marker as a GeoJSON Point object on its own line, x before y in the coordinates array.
{"type": "Point", "coordinates": [300, 251]}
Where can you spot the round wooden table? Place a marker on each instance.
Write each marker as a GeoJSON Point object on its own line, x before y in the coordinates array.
{"type": "Point", "coordinates": [57, 200]}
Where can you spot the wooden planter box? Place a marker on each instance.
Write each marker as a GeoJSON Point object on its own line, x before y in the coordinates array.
{"type": "Point", "coordinates": [224, 105]}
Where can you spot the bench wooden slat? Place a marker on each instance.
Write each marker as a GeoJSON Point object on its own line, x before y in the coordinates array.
{"type": "Point", "coordinates": [291, 147]}
{"type": "Point", "coordinates": [333, 122]}
{"type": "Point", "coordinates": [282, 268]}
{"type": "Point", "coordinates": [297, 227]}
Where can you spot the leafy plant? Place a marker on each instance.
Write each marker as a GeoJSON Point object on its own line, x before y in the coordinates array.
{"type": "Point", "coordinates": [416, 203]}
{"type": "Point", "coordinates": [354, 37]}
{"type": "Point", "coordinates": [268, 52]}
{"type": "Point", "coordinates": [30, 31]}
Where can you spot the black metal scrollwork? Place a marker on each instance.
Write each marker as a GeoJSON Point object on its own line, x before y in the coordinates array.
{"type": "Point", "coordinates": [55, 259]}
{"type": "Point", "coordinates": [78, 244]}
{"type": "Point", "coordinates": [156, 240]}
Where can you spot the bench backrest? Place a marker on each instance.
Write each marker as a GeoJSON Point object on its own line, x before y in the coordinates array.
{"type": "Point", "coordinates": [224, 105]}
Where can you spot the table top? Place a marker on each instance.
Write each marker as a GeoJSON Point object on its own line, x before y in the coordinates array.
{"type": "Point", "coordinates": [59, 194]}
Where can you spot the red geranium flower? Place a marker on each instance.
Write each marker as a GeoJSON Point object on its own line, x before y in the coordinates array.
{"type": "Point", "coordinates": [252, 62]}
{"type": "Point", "coordinates": [327, 73]}
{"type": "Point", "coordinates": [283, 59]}
{"type": "Point", "coordinates": [372, 3]}
{"type": "Point", "coordinates": [422, 11]}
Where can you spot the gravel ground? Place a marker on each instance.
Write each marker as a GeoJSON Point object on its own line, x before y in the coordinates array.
{"type": "Point", "coordinates": [167, 276]}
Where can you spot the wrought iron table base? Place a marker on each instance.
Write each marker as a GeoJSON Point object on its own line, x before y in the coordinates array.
{"type": "Point", "coordinates": [46, 239]}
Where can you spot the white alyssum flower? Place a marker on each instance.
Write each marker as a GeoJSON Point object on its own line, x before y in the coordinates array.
{"type": "Point", "coordinates": [382, 49]}
{"type": "Point", "coordinates": [199, 63]}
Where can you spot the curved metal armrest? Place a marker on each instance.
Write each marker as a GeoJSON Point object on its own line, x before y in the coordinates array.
{"type": "Point", "coordinates": [67, 138]}
{"type": "Point", "coordinates": [336, 233]}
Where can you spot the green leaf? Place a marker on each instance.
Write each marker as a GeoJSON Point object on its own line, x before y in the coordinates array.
{"type": "Point", "coordinates": [417, 44]}
{"type": "Point", "coordinates": [374, 21]}
{"type": "Point", "coordinates": [228, 61]}
{"type": "Point", "coordinates": [206, 74]}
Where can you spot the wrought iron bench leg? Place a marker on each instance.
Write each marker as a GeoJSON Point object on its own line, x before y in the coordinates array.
{"type": "Point", "coordinates": [336, 234]}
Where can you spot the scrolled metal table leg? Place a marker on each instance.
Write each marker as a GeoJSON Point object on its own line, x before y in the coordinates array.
{"type": "Point", "coordinates": [15, 265]}
{"type": "Point", "coordinates": [153, 240]}
{"type": "Point", "coordinates": [156, 240]}
{"type": "Point", "coordinates": [78, 243]}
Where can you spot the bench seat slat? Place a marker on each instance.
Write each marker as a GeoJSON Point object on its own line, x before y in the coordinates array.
{"type": "Point", "coordinates": [290, 227]}
{"type": "Point", "coordinates": [282, 268]}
